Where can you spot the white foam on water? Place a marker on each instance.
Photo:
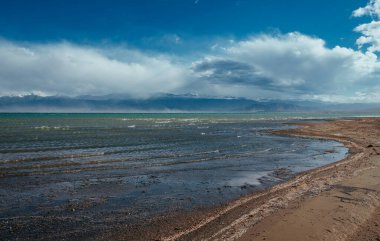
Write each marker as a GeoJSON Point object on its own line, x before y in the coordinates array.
{"type": "Point", "coordinates": [52, 128]}
{"type": "Point", "coordinates": [265, 150]}
{"type": "Point", "coordinates": [163, 122]}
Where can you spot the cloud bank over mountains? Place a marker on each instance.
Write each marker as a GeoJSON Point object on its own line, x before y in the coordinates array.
{"type": "Point", "coordinates": [293, 65]}
{"type": "Point", "coordinates": [67, 69]}
{"type": "Point", "coordinates": [272, 66]}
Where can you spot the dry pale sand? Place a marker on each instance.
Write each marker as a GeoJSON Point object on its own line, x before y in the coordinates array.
{"type": "Point", "coordinates": [349, 208]}
{"type": "Point", "coordinates": [340, 201]}
{"type": "Point", "coordinates": [335, 214]}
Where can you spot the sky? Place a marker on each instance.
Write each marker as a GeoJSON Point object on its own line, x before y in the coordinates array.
{"type": "Point", "coordinates": [301, 50]}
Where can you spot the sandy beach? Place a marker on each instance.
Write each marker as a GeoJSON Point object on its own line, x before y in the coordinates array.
{"type": "Point", "coordinates": [339, 201]}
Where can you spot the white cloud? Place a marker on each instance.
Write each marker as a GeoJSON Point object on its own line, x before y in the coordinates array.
{"type": "Point", "coordinates": [291, 66]}
{"type": "Point", "coordinates": [370, 31]}
{"type": "Point", "coordinates": [371, 9]}
{"type": "Point", "coordinates": [68, 69]}
{"type": "Point", "coordinates": [370, 36]}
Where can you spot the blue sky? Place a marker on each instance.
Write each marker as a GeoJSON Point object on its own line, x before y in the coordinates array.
{"type": "Point", "coordinates": [142, 23]}
{"type": "Point", "coordinates": [243, 48]}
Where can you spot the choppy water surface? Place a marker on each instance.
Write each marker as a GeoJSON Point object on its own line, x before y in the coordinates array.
{"type": "Point", "coordinates": [133, 166]}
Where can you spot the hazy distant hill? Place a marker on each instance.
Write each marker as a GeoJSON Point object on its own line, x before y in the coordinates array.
{"type": "Point", "coordinates": [165, 103]}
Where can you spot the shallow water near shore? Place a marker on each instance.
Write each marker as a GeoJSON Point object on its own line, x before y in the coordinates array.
{"type": "Point", "coordinates": [114, 169]}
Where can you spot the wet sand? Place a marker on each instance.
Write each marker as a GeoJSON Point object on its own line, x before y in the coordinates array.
{"type": "Point", "coordinates": [340, 201]}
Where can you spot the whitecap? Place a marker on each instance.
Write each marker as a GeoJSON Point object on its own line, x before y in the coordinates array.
{"type": "Point", "coordinates": [203, 127]}
{"type": "Point", "coordinates": [163, 122]}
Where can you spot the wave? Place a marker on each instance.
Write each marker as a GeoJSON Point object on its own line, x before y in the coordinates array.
{"type": "Point", "coordinates": [52, 128]}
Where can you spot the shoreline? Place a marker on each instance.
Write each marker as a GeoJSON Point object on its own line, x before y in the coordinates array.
{"type": "Point", "coordinates": [238, 217]}
{"type": "Point", "coordinates": [255, 214]}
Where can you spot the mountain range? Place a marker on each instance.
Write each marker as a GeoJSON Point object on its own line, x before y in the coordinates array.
{"type": "Point", "coordinates": [169, 103]}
